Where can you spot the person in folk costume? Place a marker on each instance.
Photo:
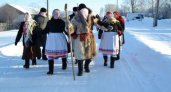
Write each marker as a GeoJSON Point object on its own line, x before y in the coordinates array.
{"type": "Point", "coordinates": [56, 44]}
{"type": "Point", "coordinates": [31, 48]}
{"type": "Point", "coordinates": [84, 40]}
{"type": "Point", "coordinates": [122, 39]}
{"type": "Point", "coordinates": [70, 18]}
{"type": "Point", "coordinates": [42, 20]}
{"type": "Point", "coordinates": [109, 44]}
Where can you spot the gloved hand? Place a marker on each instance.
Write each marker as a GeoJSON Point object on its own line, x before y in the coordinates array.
{"type": "Point", "coordinates": [99, 37]}
{"type": "Point", "coordinates": [119, 33]}
{"type": "Point", "coordinates": [97, 16]}
{"type": "Point", "coordinates": [16, 43]}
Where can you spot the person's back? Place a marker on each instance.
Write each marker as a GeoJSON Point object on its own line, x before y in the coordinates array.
{"type": "Point", "coordinates": [42, 20]}
{"type": "Point", "coordinates": [120, 19]}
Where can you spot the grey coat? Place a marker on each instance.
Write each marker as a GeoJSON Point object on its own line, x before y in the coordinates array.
{"type": "Point", "coordinates": [41, 23]}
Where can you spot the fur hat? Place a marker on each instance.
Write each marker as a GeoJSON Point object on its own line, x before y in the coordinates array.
{"type": "Point", "coordinates": [42, 10]}
{"type": "Point", "coordinates": [81, 6]}
{"type": "Point", "coordinates": [75, 8]}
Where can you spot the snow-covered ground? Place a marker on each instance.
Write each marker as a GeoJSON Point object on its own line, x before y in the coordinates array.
{"type": "Point", "coordinates": [145, 65]}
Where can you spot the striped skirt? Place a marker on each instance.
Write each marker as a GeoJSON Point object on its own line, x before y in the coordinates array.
{"type": "Point", "coordinates": [56, 46]}
{"type": "Point", "coordinates": [109, 44]}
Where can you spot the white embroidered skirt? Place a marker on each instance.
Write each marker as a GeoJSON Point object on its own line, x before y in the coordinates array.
{"type": "Point", "coordinates": [109, 44]}
{"type": "Point", "coordinates": [56, 45]}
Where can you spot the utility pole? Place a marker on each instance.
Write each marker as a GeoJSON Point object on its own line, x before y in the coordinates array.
{"type": "Point", "coordinates": [156, 14]}
{"type": "Point", "coordinates": [117, 5]}
{"type": "Point", "coordinates": [48, 8]}
{"type": "Point", "coordinates": [152, 8]}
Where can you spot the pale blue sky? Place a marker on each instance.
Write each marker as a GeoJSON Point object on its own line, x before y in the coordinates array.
{"type": "Point", "coordinates": [95, 5]}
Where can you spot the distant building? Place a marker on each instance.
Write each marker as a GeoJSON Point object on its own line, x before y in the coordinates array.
{"type": "Point", "coordinates": [14, 14]}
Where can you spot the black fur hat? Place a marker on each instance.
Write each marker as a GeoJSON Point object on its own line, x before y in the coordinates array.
{"type": "Point", "coordinates": [75, 8]}
{"type": "Point", "coordinates": [42, 10]}
{"type": "Point", "coordinates": [81, 6]}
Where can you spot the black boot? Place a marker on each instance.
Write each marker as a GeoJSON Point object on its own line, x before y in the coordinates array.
{"type": "Point", "coordinates": [34, 61]}
{"type": "Point", "coordinates": [86, 66]}
{"type": "Point", "coordinates": [118, 57]}
{"type": "Point", "coordinates": [80, 67]}
{"type": "Point", "coordinates": [26, 64]}
{"type": "Point", "coordinates": [43, 54]}
{"type": "Point", "coordinates": [105, 60]}
{"type": "Point", "coordinates": [51, 66]}
{"type": "Point", "coordinates": [76, 62]}
{"type": "Point", "coordinates": [64, 63]}
{"type": "Point", "coordinates": [44, 57]}
{"type": "Point", "coordinates": [112, 62]}
{"type": "Point", "coordinates": [38, 57]}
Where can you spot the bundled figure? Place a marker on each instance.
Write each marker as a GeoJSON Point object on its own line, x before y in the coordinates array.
{"type": "Point", "coordinates": [74, 13]}
{"type": "Point", "coordinates": [42, 20]}
{"type": "Point", "coordinates": [122, 38]}
{"type": "Point", "coordinates": [84, 41]}
{"type": "Point", "coordinates": [31, 49]}
{"type": "Point", "coordinates": [109, 44]}
{"type": "Point", "coordinates": [56, 44]}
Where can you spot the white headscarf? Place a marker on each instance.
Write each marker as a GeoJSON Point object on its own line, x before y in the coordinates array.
{"type": "Point", "coordinates": [27, 26]}
{"type": "Point", "coordinates": [30, 17]}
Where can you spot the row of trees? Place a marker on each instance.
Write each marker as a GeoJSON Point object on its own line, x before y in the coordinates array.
{"type": "Point", "coordinates": [143, 6]}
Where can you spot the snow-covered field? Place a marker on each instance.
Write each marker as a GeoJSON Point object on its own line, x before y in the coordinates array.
{"type": "Point", "coordinates": [145, 65]}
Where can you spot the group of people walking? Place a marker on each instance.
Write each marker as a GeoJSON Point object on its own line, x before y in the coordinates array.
{"type": "Point", "coordinates": [80, 27]}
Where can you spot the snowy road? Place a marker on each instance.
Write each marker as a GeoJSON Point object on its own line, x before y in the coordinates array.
{"type": "Point", "coordinates": [144, 66]}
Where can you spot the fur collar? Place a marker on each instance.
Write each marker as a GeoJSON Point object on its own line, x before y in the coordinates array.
{"type": "Point", "coordinates": [113, 20]}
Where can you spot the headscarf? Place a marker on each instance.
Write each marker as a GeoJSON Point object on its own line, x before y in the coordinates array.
{"type": "Point", "coordinates": [26, 29]}
{"type": "Point", "coordinates": [59, 15]}
{"type": "Point", "coordinates": [110, 17]}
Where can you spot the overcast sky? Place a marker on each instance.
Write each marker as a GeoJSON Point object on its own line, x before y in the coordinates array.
{"type": "Point", "coordinates": [95, 5]}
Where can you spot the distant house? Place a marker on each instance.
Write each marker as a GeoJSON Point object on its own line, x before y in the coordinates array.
{"type": "Point", "coordinates": [14, 14]}
{"type": "Point", "coordinates": [23, 10]}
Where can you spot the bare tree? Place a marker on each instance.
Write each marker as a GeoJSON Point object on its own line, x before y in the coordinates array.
{"type": "Point", "coordinates": [147, 6]}
{"type": "Point", "coordinates": [134, 5]}
{"type": "Point", "coordinates": [165, 8]}
{"type": "Point", "coordinates": [124, 10]}
{"type": "Point", "coordinates": [110, 7]}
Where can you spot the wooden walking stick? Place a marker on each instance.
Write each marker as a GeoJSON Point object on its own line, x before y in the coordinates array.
{"type": "Point", "coordinates": [67, 19]}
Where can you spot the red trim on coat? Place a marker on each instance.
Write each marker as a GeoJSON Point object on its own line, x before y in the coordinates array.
{"type": "Point", "coordinates": [82, 36]}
